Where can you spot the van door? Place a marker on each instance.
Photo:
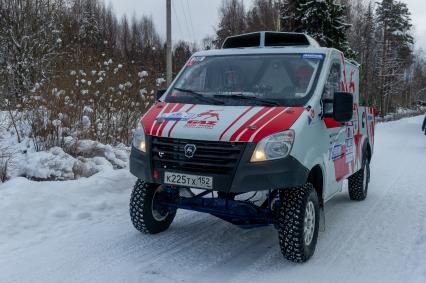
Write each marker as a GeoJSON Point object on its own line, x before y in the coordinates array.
{"type": "Point", "coordinates": [337, 163]}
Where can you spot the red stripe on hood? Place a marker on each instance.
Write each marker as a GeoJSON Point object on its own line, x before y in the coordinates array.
{"type": "Point", "coordinates": [249, 132]}
{"type": "Point", "coordinates": [282, 122]}
{"type": "Point", "coordinates": [177, 108]}
{"type": "Point", "coordinates": [235, 121]}
{"type": "Point", "coordinates": [248, 123]}
{"type": "Point", "coordinates": [149, 118]}
{"type": "Point", "coordinates": [175, 123]}
{"type": "Point", "coordinates": [157, 123]}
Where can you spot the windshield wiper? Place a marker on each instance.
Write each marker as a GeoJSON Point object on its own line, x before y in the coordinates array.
{"type": "Point", "coordinates": [200, 95]}
{"type": "Point", "coordinates": [252, 98]}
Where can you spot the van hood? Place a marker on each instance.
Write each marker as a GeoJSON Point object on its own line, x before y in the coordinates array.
{"type": "Point", "coordinates": [217, 122]}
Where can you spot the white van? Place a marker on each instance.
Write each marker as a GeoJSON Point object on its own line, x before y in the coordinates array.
{"type": "Point", "coordinates": [261, 132]}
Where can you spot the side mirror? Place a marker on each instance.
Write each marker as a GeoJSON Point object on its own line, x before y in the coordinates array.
{"type": "Point", "coordinates": [343, 106]}
{"type": "Point", "coordinates": [160, 93]}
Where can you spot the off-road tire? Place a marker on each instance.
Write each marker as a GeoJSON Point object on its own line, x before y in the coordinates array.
{"type": "Point", "coordinates": [291, 224]}
{"type": "Point", "coordinates": [141, 211]}
{"type": "Point", "coordinates": [357, 185]}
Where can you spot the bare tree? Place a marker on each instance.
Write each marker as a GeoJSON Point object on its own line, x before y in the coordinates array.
{"type": "Point", "coordinates": [232, 20]}
{"type": "Point", "coordinates": [263, 15]}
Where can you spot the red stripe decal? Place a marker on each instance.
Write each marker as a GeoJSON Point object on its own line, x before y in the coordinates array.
{"type": "Point", "coordinates": [149, 118]}
{"type": "Point", "coordinates": [245, 137]}
{"type": "Point", "coordinates": [175, 109]}
{"type": "Point", "coordinates": [271, 121]}
{"type": "Point", "coordinates": [248, 123]}
{"type": "Point", "coordinates": [158, 124]}
{"type": "Point", "coordinates": [235, 121]}
{"type": "Point", "coordinates": [281, 122]}
{"type": "Point", "coordinates": [175, 123]}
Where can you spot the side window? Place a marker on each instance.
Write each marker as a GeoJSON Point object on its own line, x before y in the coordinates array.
{"type": "Point", "coordinates": [332, 85]}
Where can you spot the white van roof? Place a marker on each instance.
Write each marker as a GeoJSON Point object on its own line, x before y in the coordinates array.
{"type": "Point", "coordinates": [267, 42]}
{"type": "Point", "coordinates": [269, 39]}
{"type": "Point", "coordinates": [263, 50]}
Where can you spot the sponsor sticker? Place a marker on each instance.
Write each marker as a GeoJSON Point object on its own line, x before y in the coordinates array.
{"type": "Point", "coordinates": [176, 116]}
{"type": "Point", "coordinates": [337, 151]}
{"type": "Point", "coordinates": [207, 120]}
{"type": "Point", "coordinates": [195, 60]}
{"type": "Point", "coordinates": [311, 114]}
{"type": "Point", "coordinates": [349, 151]}
{"type": "Point", "coordinates": [317, 56]}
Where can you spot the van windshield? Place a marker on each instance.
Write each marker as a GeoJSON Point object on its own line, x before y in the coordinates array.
{"type": "Point", "coordinates": [260, 79]}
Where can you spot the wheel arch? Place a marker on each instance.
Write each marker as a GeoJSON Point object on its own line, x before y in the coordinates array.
{"type": "Point", "coordinates": [316, 178]}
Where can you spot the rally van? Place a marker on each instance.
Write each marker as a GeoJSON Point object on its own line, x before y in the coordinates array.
{"type": "Point", "coordinates": [263, 131]}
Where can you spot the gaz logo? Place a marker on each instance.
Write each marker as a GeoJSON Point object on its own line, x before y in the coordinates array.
{"type": "Point", "coordinates": [207, 120]}
{"type": "Point", "coordinates": [190, 150]}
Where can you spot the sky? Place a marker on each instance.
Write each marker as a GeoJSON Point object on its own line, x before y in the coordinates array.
{"type": "Point", "coordinates": [192, 20]}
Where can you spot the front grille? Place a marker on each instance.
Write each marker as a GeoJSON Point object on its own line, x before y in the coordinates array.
{"type": "Point", "coordinates": [210, 157]}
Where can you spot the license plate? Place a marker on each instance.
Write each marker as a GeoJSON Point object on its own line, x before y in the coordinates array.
{"type": "Point", "coordinates": [188, 180]}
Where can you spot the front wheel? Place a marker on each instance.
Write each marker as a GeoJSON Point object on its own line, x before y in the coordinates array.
{"type": "Point", "coordinates": [298, 222]}
{"type": "Point", "coordinates": [147, 215]}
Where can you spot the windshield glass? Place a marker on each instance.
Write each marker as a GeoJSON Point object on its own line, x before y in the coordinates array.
{"type": "Point", "coordinates": [265, 79]}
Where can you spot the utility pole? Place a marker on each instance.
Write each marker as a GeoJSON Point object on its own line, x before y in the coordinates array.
{"type": "Point", "coordinates": [169, 42]}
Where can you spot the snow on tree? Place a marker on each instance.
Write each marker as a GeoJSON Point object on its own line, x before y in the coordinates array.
{"type": "Point", "coordinates": [29, 41]}
{"type": "Point", "coordinates": [394, 23]}
{"type": "Point", "coordinates": [324, 20]}
{"type": "Point", "coordinates": [263, 15]}
{"type": "Point", "coordinates": [30, 38]}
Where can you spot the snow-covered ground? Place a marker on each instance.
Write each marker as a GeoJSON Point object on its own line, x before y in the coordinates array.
{"type": "Point", "coordinates": [79, 231]}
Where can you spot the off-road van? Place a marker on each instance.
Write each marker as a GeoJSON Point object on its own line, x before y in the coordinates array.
{"type": "Point", "coordinates": [261, 132]}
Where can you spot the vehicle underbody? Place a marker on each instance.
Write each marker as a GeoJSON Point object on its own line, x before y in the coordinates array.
{"type": "Point", "coordinates": [243, 213]}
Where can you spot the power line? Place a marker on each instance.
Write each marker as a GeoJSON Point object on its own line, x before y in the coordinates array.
{"type": "Point", "coordinates": [190, 19]}
{"type": "Point", "coordinates": [177, 18]}
{"type": "Point", "coordinates": [186, 19]}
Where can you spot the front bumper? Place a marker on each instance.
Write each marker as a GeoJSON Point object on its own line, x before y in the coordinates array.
{"type": "Point", "coordinates": [248, 176]}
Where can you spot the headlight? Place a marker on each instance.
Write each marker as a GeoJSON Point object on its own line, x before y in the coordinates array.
{"type": "Point", "coordinates": [139, 138]}
{"type": "Point", "coordinates": [274, 146]}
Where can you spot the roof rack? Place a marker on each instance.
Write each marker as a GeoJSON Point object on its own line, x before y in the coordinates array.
{"type": "Point", "coordinates": [269, 39]}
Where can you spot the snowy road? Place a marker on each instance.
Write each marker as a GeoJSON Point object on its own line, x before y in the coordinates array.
{"type": "Point", "coordinates": [79, 231]}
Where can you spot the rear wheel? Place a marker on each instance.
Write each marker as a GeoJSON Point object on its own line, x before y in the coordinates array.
{"type": "Point", "coordinates": [147, 215]}
{"type": "Point", "coordinates": [298, 222]}
{"type": "Point", "coordinates": [358, 182]}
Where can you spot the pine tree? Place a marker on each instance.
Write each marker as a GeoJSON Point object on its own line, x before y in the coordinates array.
{"type": "Point", "coordinates": [394, 23]}
{"type": "Point", "coordinates": [324, 20]}
{"type": "Point", "coordinates": [288, 12]}
{"type": "Point", "coordinates": [366, 55]}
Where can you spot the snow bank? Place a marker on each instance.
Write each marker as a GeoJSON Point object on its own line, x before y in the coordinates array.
{"type": "Point", "coordinates": [80, 231]}
{"type": "Point", "coordinates": [117, 156]}
{"type": "Point", "coordinates": [402, 113]}
{"type": "Point", "coordinates": [78, 158]}
{"type": "Point", "coordinates": [54, 164]}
